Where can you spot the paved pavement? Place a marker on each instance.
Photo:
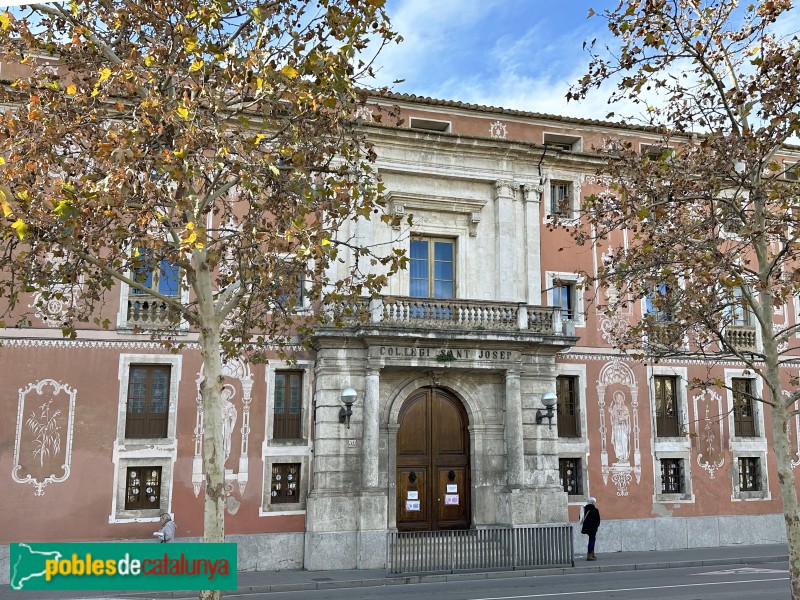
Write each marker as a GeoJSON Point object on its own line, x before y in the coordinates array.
{"type": "Point", "coordinates": [285, 581]}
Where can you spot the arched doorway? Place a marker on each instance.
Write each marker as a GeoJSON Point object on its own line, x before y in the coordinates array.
{"type": "Point", "coordinates": [433, 482]}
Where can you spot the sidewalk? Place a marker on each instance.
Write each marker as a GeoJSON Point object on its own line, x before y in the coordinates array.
{"type": "Point", "coordinates": [287, 581]}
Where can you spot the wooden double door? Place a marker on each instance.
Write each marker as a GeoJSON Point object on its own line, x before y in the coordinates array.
{"type": "Point", "coordinates": [433, 479]}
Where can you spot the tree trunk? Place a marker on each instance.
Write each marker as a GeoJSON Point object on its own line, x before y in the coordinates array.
{"type": "Point", "coordinates": [211, 390]}
{"type": "Point", "coordinates": [786, 479]}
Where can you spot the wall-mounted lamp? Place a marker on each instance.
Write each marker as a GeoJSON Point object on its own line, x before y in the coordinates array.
{"type": "Point", "coordinates": [349, 396]}
{"type": "Point", "coordinates": [549, 400]}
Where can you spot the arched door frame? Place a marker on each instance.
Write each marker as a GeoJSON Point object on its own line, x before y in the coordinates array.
{"type": "Point", "coordinates": [464, 394]}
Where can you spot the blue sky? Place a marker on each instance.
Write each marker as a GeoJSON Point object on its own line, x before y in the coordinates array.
{"type": "Point", "coordinates": [520, 54]}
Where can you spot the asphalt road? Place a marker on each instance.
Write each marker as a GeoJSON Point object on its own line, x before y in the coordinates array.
{"type": "Point", "coordinates": [764, 582]}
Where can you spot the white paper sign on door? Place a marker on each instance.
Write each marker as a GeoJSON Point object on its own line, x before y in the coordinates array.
{"type": "Point", "coordinates": [451, 499]}
{"type": "Point", "coordinates": [412, 505]}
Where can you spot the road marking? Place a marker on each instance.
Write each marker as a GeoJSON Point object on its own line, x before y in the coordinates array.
{"type": "Point", "coordinates": [743, 571]}
{"type": "Point", "coordinates": [637, 589]}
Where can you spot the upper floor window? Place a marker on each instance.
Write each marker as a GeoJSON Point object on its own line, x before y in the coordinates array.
{"type": "Point", "coordinates": [291, 288]}
{"type": "Point", "coordinates": [743, 407]}
{"type": "Point", "coordinates": [288, 402]}
{"type": "Point", "coordinates": [656, 300]}
{"type": "Point", "coordinates": [561, 198]}
{"type": "Point", "coordinates": [666, 405]}
{"type": "Point", "coordinates": [567, 407]}
{"type": "Point", "coordinates": [432, 268]}
{"type": "Point", "coordinates": [740, 313]}
{"type": "Point", "coordinates": [148, 401]}
{"type": "Point", "coordinates": [564, 298]}
{"type": "Point", "coordinates": [165, 279]}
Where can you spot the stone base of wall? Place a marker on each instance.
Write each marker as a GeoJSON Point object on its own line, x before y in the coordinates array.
{"type": "Point", "coordinates": [676, 533]}
{"type": "Point", "coordinates": [286, 551]}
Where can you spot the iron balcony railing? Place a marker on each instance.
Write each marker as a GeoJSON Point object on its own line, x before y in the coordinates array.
{"type": "Point", "coordinates": [405, 311]}
{"type": "Point", "coordinates": [503, 548]}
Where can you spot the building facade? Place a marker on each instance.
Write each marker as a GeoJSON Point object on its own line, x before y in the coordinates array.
{"type": "Point", "coordinates": [449, 368]}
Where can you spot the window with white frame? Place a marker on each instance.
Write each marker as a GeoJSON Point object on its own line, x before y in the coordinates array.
{"type": "Point", "coordinates": [146, 441]}
{"type": "Point", "coordinates": [673, 480]}
{"type": "Point", "coordinates": [141, 308]}
{"type": "Point", "coordinates": [565, 291]}
{"type": "Point", "coordinates": [432, 268]}
{"type": "Point", "coordinates": [562, 192]}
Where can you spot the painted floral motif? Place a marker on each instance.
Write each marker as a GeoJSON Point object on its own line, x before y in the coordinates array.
{"type": "Point", "coordinates": [45, 426]}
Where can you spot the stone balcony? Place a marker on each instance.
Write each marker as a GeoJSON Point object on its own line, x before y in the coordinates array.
{"type": "Point", "coordinates": [458, 315]}
{"type": "Point", "coordinates": [148, 312]}
{"type": "Point", "coordinates": [741, 338]}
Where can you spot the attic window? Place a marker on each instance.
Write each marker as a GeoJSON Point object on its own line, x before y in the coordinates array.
{"type": "Point", "coordinates": [568, 143]}
{"type": "Point", "coordinates": [656, 151]}
{"type": "Point", "coordinates": [429, 125]}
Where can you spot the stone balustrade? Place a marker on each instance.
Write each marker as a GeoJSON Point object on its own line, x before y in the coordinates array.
{"type": "Point", "coordinates": [457, 314]}
{"type": "Point", "coordinates": [741, 337]}
{"type": "Point", "coordinates": [147, 312]}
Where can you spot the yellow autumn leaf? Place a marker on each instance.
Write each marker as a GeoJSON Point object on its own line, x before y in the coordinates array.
{"type": "Point", "coordinates": [190, 226]}
{"type": "Point", "coordinates": [72, 90]}
{"type": "Point", "coordinates": [192, 238]}
{"type": "Point", "coordinates": [104, 74]}
{"type": "Point", "coordinates": [2, 160]}
{"type": "Point", "coordinates": [326, 242]}
{"type": "Point", "coordinates": [20, 227]}
{"type": "Point", "coordinates": [149, 61]}
{"type": "Point", "coordinates": [196, 65]}
{"type": "Point", "coordinates": [289, 71]}
{"type": "Point", "coordinates": [5, 207]}
{"type": "Point", "coordinates": [182, 152]}
{"type": "Point", "coordinates": [5, 22]}
{"type": "Point", "coordinates": [274, 170]}
{"type": "Point", "coordinates": [190, 43]}
{"type": "Point", "coordinates": [183, 112]}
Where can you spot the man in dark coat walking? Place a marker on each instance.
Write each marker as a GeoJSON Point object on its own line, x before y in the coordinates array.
{"type": "Point", "coordinates": [590, 522]}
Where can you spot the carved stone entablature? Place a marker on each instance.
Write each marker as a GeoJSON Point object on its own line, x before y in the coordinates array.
{"type": "Point", "coordinates": [400, 203]}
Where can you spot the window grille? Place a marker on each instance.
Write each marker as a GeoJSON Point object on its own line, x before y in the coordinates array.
{"type": "Point", "coordinates": [671, 476]}
{"type": "Point", "coordinates": [570, 471]}
{"type": "Point", "coordinates": [285, 483]}
{"type": "Point", "coordinates": [560, 198]}
{"type": "Point", "coordinates": [143, 488]}
{"type": "Point", "coordinates": [749, 475]}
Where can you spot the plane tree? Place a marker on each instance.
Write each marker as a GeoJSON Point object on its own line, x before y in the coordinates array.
{"type": "Point", "coordinates": [207, 155]}
{"type": "Point", "coordinates": [710, 209]}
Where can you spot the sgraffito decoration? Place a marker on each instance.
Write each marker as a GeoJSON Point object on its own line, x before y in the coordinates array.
{"type": "Point", "coordinates": [236, 398]}
{"type": "Point", "coordinates": [710, 431]}
{"type": "Point", "coordinates": [43, 443]}
{"type": "Point", "coordinates": [620, 419]}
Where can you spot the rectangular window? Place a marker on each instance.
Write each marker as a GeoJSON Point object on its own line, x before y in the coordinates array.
{"type": "Point", "coordinates": [749, 476]}
{"type": "Point", "coordinates": [143, 488]}
{"type": "Point", "coordinates": [564, 298]}
{"type": "Point", "coordinates": [165, 279]}
{"type": "Point", "coordinates": [285, 483]}
{"type": "Point", "coordinates": [148, 401]}
{"type": "Point", "coordinates": [288, 402]}
{"type": "Point", "coordinates": [656, 303]}
{"type": "Point", "coordinates": [291, 288]}
{"type": "Point", "coordinates": [561, 198]}
{"type": "Point", "coordinates": [671, 476]}
{"type": "Point", "coordinates": [666, 404]}
{"type": "Point", "coordinates": [570, 471]}
{"type": "Point", "coordinates": [744, 424]}
{"type": "Point", "coordinates": [432, 268]}
{"type": "Point", "coordinates": [567, 406]}
{"type": "Point", "coordinates": [740, 310]}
